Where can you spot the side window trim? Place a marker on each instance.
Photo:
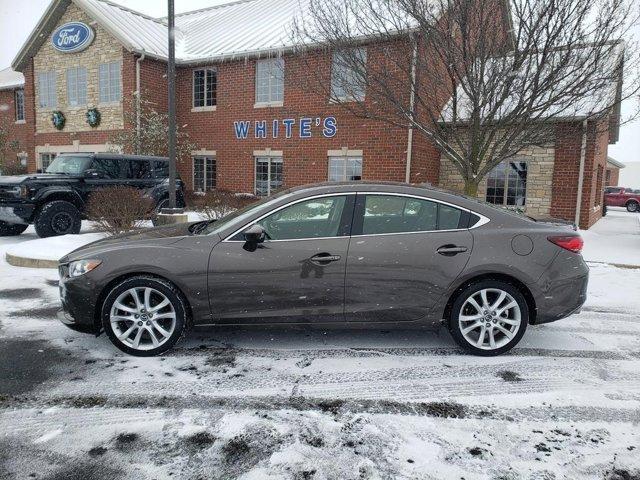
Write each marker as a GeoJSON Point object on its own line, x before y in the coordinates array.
{"type": "Point", "coordinates": [358, 215]}
{"type": "Point", "coordinates": [346, 221]}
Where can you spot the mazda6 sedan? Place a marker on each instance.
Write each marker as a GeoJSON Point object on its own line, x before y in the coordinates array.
{"type": "Point", "coordinates": [351, 253]}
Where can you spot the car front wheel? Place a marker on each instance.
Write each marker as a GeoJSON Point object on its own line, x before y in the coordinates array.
{"type": "Point", "coordinates": [144, 316]}
{"type": "Point", "coordinates": [58, 218]}
{"type": "Point", "coordinates": [11, 229]}
{"type": "Point", "coordinates": [489, 317]}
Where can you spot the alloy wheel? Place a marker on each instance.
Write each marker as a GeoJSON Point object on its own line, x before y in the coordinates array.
{"type": "Point", "coordinates": [489, 318]}
{"type": "Point", "coordinates": [143, 318]}
{"type": "Point", "coordinates": [61, 222]}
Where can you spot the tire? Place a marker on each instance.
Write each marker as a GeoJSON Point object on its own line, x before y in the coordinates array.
{"type": "Point", "coordinates": [11, 229]}
{"type": "Point", "coordinates": [632, 207]}
{"type": "Point", "coordinates": [486, 323]}
{"type": "Point", "coordinates": [58, 218]}
{"type": "Point", "coordinates": [143, 328]}
{"type": "Point", "coordinates": [163, 203]}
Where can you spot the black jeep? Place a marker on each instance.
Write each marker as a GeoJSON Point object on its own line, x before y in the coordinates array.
{"type": "Point", "coordinates": [55, 201]}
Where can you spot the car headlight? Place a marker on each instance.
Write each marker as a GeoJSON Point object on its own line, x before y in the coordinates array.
{"type": "Point", "coordinates": [81, 267]}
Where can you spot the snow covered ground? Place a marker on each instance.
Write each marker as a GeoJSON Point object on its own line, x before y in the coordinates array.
{"type": "Point", "coordinates": [315, 403]}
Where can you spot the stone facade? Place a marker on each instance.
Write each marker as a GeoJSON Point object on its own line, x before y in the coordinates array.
{"type": "Point", "coordinates": [540, 165]}
{"type": "Point", "coordinates": [104, 49]}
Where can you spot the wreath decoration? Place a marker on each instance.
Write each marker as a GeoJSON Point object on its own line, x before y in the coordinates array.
{"type": "Point", "coordinates": [93, 117]}
{"type": "Point", "coordinates": [58, 119]}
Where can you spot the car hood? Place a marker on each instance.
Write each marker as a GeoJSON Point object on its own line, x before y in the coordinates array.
{"type": "Point", "coordinates": [19, 179]}
{"type": "Point", "coordinates": [160, 236]}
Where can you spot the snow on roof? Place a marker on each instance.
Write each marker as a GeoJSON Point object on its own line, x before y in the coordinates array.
{"type": "Point", "coordinates": [138, 32]}
{"type": "Point", "coordinates": [10, 79]}
{"type": "Point", "coordinates": [615, 163]}
{"type": "Point", "coordinates": [246, 27]}
{"type": "Point", "coordinates": [542, 107]}
{"type": "Point", "coordinates": [240, 29]}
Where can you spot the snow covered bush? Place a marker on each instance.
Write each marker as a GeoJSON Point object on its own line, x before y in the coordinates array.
{"type": "Point", "coordinates": [218, 203]}
{"type": "Point", "coordinates": [119, 209]}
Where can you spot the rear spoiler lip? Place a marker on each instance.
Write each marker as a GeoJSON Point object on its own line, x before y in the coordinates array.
{"type": "Point", "coordinates": [557, 222]}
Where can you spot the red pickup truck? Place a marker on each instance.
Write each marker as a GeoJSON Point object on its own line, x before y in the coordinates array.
{"type": "Point", "coordinates": [622, 197]}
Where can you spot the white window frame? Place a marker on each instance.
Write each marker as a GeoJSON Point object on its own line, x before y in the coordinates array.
{"type": "Point", "coordinates": [48, 90]}
{"type": "Point", "coordinates": [271, 157]}
{"type": "Point", "coordinates": [205, 107]}
{"type": "Point", "coordinates": [335, 65]}
{"type": "Point", "coordinates": [505, 194]}
{"type": "Point", "coordinates": [114, 88]}
{"type": "Point", "coordinates": [78, 87]}
{"type": "Point", "coordinates": [18, 98]}
{"type": "Point", "coordinates": [206, 175]}
{"type": "Point", "coordinates": [270, 66]}
{"type": "Point", "coordinates": [345, 155]}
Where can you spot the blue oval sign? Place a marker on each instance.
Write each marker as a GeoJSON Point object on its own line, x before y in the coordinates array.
{"type": "Point", "coordinates": [72, 37]}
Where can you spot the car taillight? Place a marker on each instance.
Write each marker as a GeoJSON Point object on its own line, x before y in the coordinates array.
{"type": "Point", "coordinates": [573, 243]}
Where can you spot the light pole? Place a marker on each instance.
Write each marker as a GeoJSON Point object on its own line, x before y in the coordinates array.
{"type": "Point", "coordinates": [172, 107]}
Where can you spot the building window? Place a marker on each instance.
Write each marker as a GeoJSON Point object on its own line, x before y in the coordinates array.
{"type": "Point", "coordinates": [109, 82]}
{"type": "Point", "coordinates": [19, 105]}
{"type": "Point", "coordinates": [76, 86]}
{"type": "Point", "coordinates": [205, 87]}
{"type": "Point", "coordinates": [47, 90]}
{"type": "Point", "coordinates": [507, 184]}
{"type": "Point", "coordinates": [270, 81]}
{"type": "Point", "coordinates": [345, 169]}
{"type": "Point", "coordinates": [348, 80]}
{"type": "Point", "coordinates": [204, 174]}
{"type": "Point", "coordinates": [269, 176]}
{"type": "Point", "coordinates": [45, 160]}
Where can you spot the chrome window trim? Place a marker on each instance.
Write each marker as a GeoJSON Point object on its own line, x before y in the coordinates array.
{"type": "Point", "coordinates": [483, 220]}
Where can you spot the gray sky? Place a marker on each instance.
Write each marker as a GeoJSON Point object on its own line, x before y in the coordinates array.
{"type": "Point", "coordinates": [18, 18]}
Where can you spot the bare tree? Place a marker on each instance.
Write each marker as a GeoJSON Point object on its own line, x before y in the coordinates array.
{"type": "Point", "coordinates": [481, 79]}
{"type": "Point", "coordinates": [153, 135]}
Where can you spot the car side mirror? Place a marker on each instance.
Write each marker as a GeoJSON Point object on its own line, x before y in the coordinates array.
{"type": "Point", "coordinates": [255, 234]}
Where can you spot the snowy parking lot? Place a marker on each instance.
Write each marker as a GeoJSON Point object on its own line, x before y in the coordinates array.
{"type": "Point", "coordinates": [327, 403]}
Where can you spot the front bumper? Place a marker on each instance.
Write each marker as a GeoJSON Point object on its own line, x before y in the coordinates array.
{"type": "Point", "coordinates": [17, 212]}
{"type": "Point", "coordinates": [78, 298]}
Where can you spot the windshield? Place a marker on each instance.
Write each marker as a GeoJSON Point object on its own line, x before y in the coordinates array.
{"type": "Point", "coordinates": [70, 165]}
{"type": "Point", "coordinates": [238, 217]}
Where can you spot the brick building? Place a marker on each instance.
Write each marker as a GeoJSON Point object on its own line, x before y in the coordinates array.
{"type": "Point", "coordinates": [254, 131]}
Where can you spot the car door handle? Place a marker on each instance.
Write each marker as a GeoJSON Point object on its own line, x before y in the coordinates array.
{"type": "Point", "coordinates": [324, 258]}
{"type": "Point", "coordinates": [451, 250]}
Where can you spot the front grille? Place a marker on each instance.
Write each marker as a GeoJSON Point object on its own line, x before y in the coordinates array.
{"type": "Point", "coordinates": [9, 192]}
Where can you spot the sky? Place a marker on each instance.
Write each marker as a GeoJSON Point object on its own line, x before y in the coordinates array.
{"type": "Point", "coordinates": [18, 18]}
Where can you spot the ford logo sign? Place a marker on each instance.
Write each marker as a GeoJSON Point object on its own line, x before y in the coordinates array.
{"type": "Point", "coordinates": [72, 37]}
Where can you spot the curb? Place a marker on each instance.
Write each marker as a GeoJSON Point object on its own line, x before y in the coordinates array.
{"type": "Point", "coordinates": [29, 262]}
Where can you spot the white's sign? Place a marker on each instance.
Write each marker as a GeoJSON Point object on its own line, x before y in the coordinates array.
{"type": "Point", "coordinates": [287, 128]}
{"type": "Point", "coordinates": [72, 37]}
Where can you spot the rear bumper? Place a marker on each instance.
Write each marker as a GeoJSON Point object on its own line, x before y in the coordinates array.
{"type": "Point", "coordinates": [565, 298]}
{"type": "Point", "coordinates": [17, 212]}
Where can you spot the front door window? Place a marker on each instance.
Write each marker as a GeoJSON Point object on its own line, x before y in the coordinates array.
{"type": "Point", "coordinates": [317, 218]}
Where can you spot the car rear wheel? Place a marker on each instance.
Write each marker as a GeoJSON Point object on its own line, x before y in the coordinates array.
{"type": "Point", "coordinates": [144, 316]}
{"type": "Point", "coordinates": [11, 229]}
{"type": "Point", "coordinates": [632, 207]}
{"type": "Point", "coordinates": [489, 317]}
{"type": "Point", "coordinates": [58, 218]}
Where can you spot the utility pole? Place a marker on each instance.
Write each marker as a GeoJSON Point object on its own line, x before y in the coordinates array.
{"type": "Point", "coordinates": [172, 107]}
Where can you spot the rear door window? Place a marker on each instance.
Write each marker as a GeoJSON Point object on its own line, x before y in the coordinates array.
{"type": "Point", "coordinates": [388, 214]}
{"type": "Point", "coordinates": [161, 169]}
{"type": "Point", "coordinates": [109, 168]}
